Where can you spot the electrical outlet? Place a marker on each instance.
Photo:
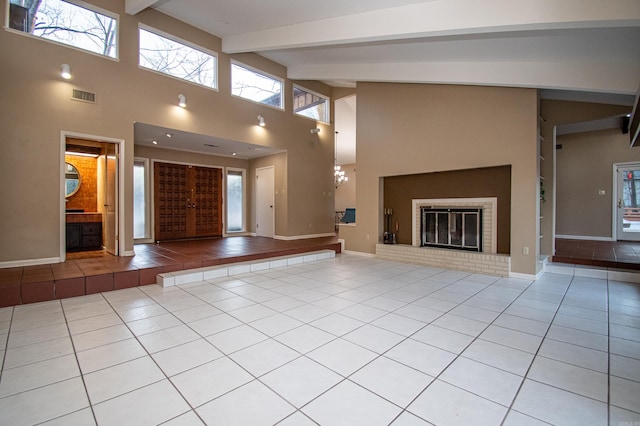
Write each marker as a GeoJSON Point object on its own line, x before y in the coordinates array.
{"type": "Point", "coordinates": [601, 192]}
{"type": "Point", "coordinates": [525, 250]}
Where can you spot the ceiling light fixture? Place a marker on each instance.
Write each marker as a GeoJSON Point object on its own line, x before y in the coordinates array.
{"type": "Point", "coordinates": [169, 135]}
{"type": "Point", "coordinates": [65, 71]}
{"type": "Point", "coordinates": [261, 121]}
{"type": "Point", "coordinates": [315, 131]}
{"type": "Point", "coordinates": [155, 142]}
{"type": "Point", "coordinates": [182, 101]}
{"type": "Point", "coordinates": [338, 174]}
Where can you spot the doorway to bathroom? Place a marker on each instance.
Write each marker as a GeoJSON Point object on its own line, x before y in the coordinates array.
{"type": "Point", "coordinates": [91, 196]}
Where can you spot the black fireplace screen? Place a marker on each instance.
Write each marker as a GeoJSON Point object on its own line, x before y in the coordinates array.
{"type": "Point", "coordinates": [451, 228]}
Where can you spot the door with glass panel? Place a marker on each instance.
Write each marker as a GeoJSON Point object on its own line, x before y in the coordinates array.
{"type": "Point", "coordinates": [628, 202]}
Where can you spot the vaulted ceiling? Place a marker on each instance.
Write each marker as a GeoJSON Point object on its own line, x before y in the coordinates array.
{"type": "Point", "coordinates": [585, 46]}
{"type": "Point", "coordinates": [585, 50]}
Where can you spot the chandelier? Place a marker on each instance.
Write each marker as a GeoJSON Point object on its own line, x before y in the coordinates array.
{"type": "Point", "coordinates": [338, 174]}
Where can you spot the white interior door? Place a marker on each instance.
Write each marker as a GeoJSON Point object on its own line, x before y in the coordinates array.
{"type": "Point", "coordinates": [110, 218]}
{"type": "Point", "coordinates": [628, 202]}
{"type": "Point", "coordinates": [265, 202]}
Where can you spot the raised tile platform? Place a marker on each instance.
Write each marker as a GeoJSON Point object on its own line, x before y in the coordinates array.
{"type": "Point", "coordinates": [100, 272]}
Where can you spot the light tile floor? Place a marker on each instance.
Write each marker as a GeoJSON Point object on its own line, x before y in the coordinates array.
{"type": "Point", "coordinates": [345, 341]}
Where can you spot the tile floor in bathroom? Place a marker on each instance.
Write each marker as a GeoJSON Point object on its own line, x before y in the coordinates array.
{"type": "Point", "coordinates": [346, 341]}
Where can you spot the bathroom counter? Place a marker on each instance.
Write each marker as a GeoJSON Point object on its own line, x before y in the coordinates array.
{"type": "Point", "coordinates": [84, 217]}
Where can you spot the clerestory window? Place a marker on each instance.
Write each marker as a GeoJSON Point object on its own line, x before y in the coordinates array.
{"type": "Point", "coordinates": [79, 25]}
{"type": "Point", "coordinates": [177, 59]}
{"type": "Point", "coordinates": [310, 104]}
{"type": "Point", "coordinates": [256, 85]}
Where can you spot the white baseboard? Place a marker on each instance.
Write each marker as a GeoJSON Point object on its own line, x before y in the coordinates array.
{"type": "Point", "coordinates": [29, 262]}
{"type": "Point", "coordinates": [529, 277]}
{"type": "Point", "coordinates": [584, 237]}
{"type": "Point", "coordinates": [129, 253]}
{"type": "Point", "coordinates": [237, 234]}
{"type": "Point", "coordinates": [360, 253]}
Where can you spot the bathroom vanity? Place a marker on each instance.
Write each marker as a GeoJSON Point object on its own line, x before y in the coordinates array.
{"type": "Point", "coordinates": [84, 231]}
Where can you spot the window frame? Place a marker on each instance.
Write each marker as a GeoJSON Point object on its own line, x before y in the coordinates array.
{"type": "Point", "coordinates": [186, 43]}
{"type": "Point", "coordinates": [327, 99]}
{"type": "Point", "coordinates": [148, 225]}
{"type": "Point", "coordinates": [80, 4]}
{"type": "Point", "coordinates": [261, 72]}
{"type": "Point", "coordinates": [243, 172]}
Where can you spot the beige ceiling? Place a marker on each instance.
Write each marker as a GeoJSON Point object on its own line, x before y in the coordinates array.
{"type": "Point", "coordinates": [162, 137]}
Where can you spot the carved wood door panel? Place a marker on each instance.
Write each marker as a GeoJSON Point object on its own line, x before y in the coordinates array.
{"type": "Point", "coordinates": [188, 201]}
{"type": "Point", "coordinates": [206, 198]}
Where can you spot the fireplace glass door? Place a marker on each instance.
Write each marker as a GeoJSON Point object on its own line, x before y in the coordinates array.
{"type": "Point", "coordinates": [452, 228]}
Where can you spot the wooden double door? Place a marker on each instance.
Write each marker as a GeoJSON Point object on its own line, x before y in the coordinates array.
{"type": "Point", "coordinates": [188, 201]}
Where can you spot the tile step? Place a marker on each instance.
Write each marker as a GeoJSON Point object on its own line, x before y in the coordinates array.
{"type": "Point", "coordinates": [188, 276]}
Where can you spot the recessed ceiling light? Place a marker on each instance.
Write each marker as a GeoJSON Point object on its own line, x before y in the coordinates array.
{"type": "Point", "coordinates": [169, 135]}
{"type": "Point", "coordinates": [155, 142]}
{"type": "Point", "coordinates": [233, 153]}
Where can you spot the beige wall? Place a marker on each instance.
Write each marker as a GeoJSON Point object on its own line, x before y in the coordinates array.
{"type": "Point", "coordinates": [35, 107]}
{"type": "Point", "coordinates": [416, 128]}
{"type": "Point", "coordinates": [585, 166]}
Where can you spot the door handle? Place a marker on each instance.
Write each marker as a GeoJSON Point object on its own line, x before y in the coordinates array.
{"type": "Point", "coordinates": [619, 203]}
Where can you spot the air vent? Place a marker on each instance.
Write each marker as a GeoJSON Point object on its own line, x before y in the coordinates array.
{"type": "Point", "coordinates": [211, 145]}
{"type": "Point", "coordinates": [83, 96]}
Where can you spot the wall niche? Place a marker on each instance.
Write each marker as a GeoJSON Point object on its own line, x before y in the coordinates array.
{"type": "Point", "coordinates": [399, 191]}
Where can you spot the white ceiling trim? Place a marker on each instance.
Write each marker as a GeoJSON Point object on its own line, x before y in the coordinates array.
{"type": "Point", "coordinates": [133, 7]}
{"type": "Point", "coordinates": [439, 18]}
{"type": "Point", "coordinates": [594, 77]}
{"type": "Point", "coordinates": [590, 126]}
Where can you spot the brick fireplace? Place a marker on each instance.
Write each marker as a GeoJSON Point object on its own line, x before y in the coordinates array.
{"type": "Point", "coordinates": [486, 261]}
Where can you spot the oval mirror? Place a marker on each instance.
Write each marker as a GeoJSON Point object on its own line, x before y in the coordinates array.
{"type": "Point", "coordinates": [71, 180]}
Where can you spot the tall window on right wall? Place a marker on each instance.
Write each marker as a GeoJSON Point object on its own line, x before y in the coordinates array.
{"type": "Point", "coordinates": [235, 200]}
{"type": "Point", "coordinates": [310, 104]}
